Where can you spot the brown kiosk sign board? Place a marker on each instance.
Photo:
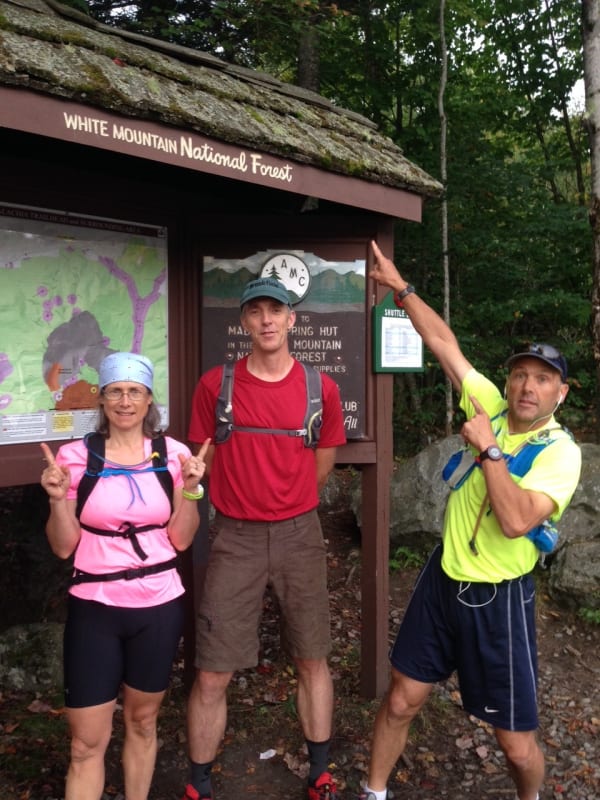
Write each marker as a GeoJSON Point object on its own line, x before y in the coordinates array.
{"type": "Point", "coordinates": [329, 334]}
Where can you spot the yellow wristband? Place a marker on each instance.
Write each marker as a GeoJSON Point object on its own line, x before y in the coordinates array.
{"type": "Point", "coordinates": [197, 495]}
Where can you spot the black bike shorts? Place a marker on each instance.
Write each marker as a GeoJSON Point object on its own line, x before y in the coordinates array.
{"type": "Point", "coordinates": [105, 646]}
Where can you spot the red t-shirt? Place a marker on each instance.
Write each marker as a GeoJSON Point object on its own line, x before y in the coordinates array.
{"type": "Point", "coordinates": [264, 476]}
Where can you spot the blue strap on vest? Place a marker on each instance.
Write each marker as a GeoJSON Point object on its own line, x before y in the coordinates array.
{"type": "Point", "coordinates": [461, 464]}
{"type": "Point", "coordinates": [96, 469]}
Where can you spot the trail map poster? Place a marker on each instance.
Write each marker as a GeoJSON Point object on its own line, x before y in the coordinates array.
{"type": "Point", "coordinates": [72, 290]}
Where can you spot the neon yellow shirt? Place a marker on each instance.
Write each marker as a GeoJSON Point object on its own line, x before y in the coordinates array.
{"type": "Point", "coordinates": [555, 472]}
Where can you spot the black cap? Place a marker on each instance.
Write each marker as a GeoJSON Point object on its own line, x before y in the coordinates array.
{"type": "Point", "coordinates": [545, 352]}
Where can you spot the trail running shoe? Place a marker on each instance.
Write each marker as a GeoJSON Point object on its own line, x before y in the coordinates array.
{"type": "Point", "coordinates": [193, 794]}
{"type": "Point", "coordinates": [324, 788]}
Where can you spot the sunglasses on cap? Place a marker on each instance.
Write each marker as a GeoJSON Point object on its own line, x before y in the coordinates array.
{"type": "Point", "coordinates": [545, 352]}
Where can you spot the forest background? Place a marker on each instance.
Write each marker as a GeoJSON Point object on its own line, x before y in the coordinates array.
{"type": "Point", "coordinates": [485, 95]}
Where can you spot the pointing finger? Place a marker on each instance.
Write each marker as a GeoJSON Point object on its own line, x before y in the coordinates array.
{"type": "Point", "coordinates": [476, 405]}
{"type": "Point", "coordinates": [47, 454]}
{"type": "Point", "coordinates": [203, 448]}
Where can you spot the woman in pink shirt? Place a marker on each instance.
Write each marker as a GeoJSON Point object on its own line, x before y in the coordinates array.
{"type": "Point", "coordinates": [125, 611]}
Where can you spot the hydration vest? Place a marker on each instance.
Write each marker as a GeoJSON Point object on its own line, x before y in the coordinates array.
{"type": "Point", "coordinates": [95, 444]}
{"type": "Point", "coordinates": [462, 463]}
{"type": "Point", "coordinates": [313, 416]}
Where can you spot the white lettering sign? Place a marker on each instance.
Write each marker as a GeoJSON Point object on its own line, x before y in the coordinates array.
{"type": "Point", "coordinates": [185, 147]}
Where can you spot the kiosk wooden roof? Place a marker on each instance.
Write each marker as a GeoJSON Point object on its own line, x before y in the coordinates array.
{"type": "Point", "coordinates": [58, 52]}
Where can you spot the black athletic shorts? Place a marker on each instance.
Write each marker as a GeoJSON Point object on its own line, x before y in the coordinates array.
{"type": "Point", "coordinates": [484, 631]}
{"type": "Point", "coordinates": [105, 646]}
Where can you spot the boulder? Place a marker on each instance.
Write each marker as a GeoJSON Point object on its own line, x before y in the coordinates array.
{"type": "Point", "coordinates": [575, 569]}
{"type": "Point", "coordinates": [31, 657]}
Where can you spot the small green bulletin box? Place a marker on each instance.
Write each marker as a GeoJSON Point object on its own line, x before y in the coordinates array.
{"type": "Point", "coordinates": [397, 347]}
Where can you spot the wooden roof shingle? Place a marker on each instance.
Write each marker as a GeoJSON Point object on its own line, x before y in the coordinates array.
{"type": "Point", "coordinates": [52, 49]}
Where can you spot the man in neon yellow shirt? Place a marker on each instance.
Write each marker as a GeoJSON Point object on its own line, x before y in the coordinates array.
{"type": "Point", "coordinates": [472, 609]}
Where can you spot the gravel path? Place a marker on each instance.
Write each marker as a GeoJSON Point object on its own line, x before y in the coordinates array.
{"type": "Point", "coordinates": [449, 755]}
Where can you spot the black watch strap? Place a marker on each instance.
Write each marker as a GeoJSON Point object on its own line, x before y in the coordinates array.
{"type": "Point", "coordinates": [492, 452]}
{"type": "Point", "coordinates": [399, 296]}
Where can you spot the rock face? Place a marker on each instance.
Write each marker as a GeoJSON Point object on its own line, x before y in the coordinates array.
{"type": "Point", "coordinates": [575, 570]}
{"type": "Point", "coordinates": [31, 657]}
{"type": "Point", "coordinates": [418, 499]}
{"type": "Point", "coordinates": [417, 496]}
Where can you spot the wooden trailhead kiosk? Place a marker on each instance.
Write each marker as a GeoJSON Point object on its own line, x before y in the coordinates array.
{"type": "Point", "coordinates": [142, 184]}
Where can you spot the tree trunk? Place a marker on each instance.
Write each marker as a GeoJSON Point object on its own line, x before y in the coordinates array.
{"type": "Point", "coordinates": [308, 59]}
{"type": "Point", "coordinates": [591, 70]}
{"type": "Point", "coordinates": [444, 179]}
{"type": "Point", "coordinates": [563, 105]}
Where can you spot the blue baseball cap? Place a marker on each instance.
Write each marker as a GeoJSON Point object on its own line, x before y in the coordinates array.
{"type": "Point", "coordinates": [126, 367]}
{"type": "Point", "coordinates": [545, 352]}
{"type": "Point", "coordinates": [265, 287]}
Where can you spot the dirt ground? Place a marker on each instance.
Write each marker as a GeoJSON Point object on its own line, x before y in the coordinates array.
{"type": "Point", "coordinates": [449, 754]}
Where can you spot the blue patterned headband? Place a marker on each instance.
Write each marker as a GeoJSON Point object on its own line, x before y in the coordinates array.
{"type": "Point", "coordinates": [126, 367]}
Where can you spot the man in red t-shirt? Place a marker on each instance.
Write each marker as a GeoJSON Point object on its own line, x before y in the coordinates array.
{"type": "Point", "coordinates": [265, 489]}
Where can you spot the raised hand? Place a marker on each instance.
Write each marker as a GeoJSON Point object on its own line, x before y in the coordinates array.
{"type": "Point", "coordinates": [194, 467]}
{"type": "Point", "coordinates": [55, 479]}
{"type": "Point", "coordinates": [385, 272]}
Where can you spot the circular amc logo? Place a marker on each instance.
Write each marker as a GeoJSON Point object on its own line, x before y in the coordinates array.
{"type": "Point", "coordinates": [291, 271]}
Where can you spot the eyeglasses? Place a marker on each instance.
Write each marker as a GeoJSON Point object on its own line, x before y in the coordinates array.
{"type": "Point", "coordinates": [135, 395]}
{"type": "Point", "coordinates": [545, 350]}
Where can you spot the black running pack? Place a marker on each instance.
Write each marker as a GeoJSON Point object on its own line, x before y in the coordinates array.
{"type": "Point", "coordinates": [313, 417]}
{"type": "Point", "coordinates": [95, 444]}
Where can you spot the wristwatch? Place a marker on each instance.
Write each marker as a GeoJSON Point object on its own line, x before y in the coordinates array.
{"type": "Point", "coordinates": [399, 296]}
{"type": "Point", "coordinates": [492, 452]}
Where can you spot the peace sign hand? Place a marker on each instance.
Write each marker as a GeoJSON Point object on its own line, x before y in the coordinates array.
{"type": "Point", "coordinates": [55, 479]}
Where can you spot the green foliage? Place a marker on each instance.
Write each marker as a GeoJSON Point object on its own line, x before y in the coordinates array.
{"type": "Point", "coordinates": [520, 242]}
{"type": "Point", "coordinates": [518, 172]}
{"type": "Point", "coordinates": [405, 558]}
{"type": "Point", "coordinates": [591, 615]}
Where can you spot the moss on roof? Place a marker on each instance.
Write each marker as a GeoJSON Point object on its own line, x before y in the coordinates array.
{"type": "Point", "coordinates": [53, 49]}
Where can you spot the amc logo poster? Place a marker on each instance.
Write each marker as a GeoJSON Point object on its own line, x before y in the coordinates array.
{"type": "Point", "coordinates": [329, 300]}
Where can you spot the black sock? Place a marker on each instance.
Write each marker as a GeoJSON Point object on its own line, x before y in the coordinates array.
{"type": "Point", "coordinates": [201, 778]}
{"type": "Point", "coordinates": [318, 755]}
